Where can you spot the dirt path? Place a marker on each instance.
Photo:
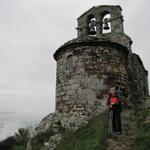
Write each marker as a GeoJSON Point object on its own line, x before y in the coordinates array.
{"type": "Point", "coordinates": [124, 141]}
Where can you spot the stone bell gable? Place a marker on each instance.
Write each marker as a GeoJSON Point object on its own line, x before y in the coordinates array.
{"type": "Point", "coordinates": [105, 19]}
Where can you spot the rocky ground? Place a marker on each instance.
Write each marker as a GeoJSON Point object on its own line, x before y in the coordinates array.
{"type": "Point", "coordinates": [135, 122]}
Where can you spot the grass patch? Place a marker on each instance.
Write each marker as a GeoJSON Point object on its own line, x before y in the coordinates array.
{"type": "Point", "coordinates": [19, 147]}
{"type": "Point", "coordinates": [147, 97]}
{"type": "Point", "coordinates": [91, 137]}
{"type": "Point", "coordinates": [142, 141]}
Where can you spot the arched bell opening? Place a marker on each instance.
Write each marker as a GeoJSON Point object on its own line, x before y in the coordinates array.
{"type": "Point", "coordinates": [106, 23]}
{"type": "Point", "coordinates": [91, 25]}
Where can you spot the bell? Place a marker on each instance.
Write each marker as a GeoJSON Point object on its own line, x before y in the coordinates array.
{"type": "Point", "coordinates": [106, 27]}
{"type": "Point", "coordinates": [92, 31]}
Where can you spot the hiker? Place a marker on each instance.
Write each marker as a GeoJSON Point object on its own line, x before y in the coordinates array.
{"type": "Point", "coordinates": [114, 104]}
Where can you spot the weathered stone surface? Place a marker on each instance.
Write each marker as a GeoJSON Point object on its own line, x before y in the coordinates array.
{"type": "Point", "coordinates": [138, 78]}
{"type": "Point", "coordinates": [53, 141]}
{"type": "Point", "coordinates": [101, 66]}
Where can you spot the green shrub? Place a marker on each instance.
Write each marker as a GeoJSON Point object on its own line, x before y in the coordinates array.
{"type": "Point", "coordinates": [142, 141]}
{"type": "Point", "coordinates": [38, 141]}
{"type": "Point", "coordinates": [7, 144]}
{"type": "Point", "coordinates": [19, 147]}
{"type": "Point", "coordinates": [22, 136]}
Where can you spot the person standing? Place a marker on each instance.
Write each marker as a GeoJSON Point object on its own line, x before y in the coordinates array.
{"type": "Point", "coordinates": [114, 104]}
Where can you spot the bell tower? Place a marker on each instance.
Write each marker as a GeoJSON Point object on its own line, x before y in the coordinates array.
{"type": "Point", "coordinates": [95, 21]}
{"type": "Point", "coordinates": [105, 23]}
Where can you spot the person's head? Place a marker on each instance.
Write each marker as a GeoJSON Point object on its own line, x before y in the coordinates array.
{"type": "Point", "coordinates": [112, 90]}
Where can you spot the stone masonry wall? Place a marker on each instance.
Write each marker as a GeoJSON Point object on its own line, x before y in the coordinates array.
{"type": "Point", "coordinates": [94, 70]}
{"type": "Point", "coordinates": [138, 78]}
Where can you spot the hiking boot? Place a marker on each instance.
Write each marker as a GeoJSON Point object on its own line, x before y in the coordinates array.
{"type": "Point", "coordinates": [118, 133]}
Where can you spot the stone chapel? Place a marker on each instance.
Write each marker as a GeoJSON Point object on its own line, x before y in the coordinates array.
{"type": "Point", "coordinates": [100, 57]}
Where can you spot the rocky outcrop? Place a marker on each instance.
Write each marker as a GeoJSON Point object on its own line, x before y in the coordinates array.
{"type": "Point", "coordinates": [52, 128]}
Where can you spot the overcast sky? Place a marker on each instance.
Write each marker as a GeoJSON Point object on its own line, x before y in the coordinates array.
{"type": "Point", "coordinates": [31, 31]}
